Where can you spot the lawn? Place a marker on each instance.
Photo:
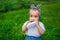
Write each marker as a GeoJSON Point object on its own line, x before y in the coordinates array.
{"type": "Point", "coordinates": [11, 23]}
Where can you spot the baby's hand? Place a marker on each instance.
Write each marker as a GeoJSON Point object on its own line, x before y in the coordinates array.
{"type": "Point", "coordinates": [28, 21]}
{"type": "Point", "coordinates": [36, 22]}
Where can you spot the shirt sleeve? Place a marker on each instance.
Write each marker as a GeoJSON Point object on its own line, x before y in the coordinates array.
{"type": "Point", "coordinates": [42, 26]}
{"type": "Point", "coordinates": [24, 24]}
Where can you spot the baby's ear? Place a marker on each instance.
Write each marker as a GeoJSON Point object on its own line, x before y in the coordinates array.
{"type": "Point", "coordinates": [32, 6]}
{"type": "Point", "coordinates": [38, 6]}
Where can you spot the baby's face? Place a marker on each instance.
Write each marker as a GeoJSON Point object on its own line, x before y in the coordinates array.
{"type": "Point", "coordinates": [34, 16]}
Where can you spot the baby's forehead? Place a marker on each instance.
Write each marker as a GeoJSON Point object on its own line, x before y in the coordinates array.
{"type": "Point", "coordinates": [34, 10]}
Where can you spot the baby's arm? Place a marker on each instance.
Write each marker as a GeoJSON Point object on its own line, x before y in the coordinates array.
{"type": "Point", "coordinates": [40, 29]}
{"type": "Point", "coordinates": [24, 27]}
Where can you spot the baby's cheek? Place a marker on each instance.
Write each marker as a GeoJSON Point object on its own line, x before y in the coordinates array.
{"type": "Point", "coordinates": [30, 19]}
{"type": "Point", "coordinates": [36, 19]}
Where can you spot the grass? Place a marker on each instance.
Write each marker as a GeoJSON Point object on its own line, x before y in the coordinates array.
{"type": "Point", "coordinates": [12, 21]}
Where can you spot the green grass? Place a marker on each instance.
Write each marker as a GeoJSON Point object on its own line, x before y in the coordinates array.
{"type": "Point", "coordinates": [12, 21]}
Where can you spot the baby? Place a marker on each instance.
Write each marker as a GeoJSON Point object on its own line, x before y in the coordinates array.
{"type": "Point", "coordinates": [33, 28]}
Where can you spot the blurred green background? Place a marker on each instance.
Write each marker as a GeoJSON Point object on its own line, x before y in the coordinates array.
{"type": "Point", "coordinates": [13, 13]}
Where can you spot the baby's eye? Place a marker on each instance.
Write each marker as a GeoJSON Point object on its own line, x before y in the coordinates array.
{"type": "Point", "coordinates": [30, 15]}
{"type": "Point", "coordinates": [36, 16]}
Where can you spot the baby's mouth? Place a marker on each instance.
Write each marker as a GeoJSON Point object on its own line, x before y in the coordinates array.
{"type": "Point", "coordinates": [31, 21]}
